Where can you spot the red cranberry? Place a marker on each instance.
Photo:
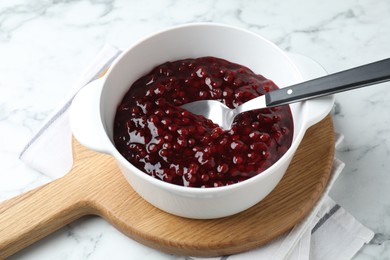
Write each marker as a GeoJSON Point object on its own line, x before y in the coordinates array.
{"type": "Point", "coordinates": [171, 144]}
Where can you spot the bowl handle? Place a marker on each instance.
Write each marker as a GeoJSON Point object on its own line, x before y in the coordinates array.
{"type": "Point", "coordinates": [85, 118]}
{"type": "Point", "coordinates": [310, 69]}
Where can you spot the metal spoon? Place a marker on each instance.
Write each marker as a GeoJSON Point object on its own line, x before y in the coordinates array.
{"type": "Point", "coordinates": [362, 76]}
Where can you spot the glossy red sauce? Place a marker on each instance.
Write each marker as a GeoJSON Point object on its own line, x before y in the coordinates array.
{"type": "Point", "coordinates": [169, 143]}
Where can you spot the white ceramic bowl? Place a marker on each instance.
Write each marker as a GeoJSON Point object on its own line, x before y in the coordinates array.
{"type": "Point", "coordinates": [94, 107]}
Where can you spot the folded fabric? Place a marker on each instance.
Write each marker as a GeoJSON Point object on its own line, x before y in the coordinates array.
{"type": "Point", "coordinates": [50, 150]}
{"type": "Point", "coordinates": [327, 232]}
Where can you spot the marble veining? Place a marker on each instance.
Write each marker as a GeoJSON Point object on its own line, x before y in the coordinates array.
{"type": "Point", "coordinates": [45, 45]}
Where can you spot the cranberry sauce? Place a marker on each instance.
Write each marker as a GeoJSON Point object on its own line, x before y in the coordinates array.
{"type": "Point", "coordinates": [170, 143]}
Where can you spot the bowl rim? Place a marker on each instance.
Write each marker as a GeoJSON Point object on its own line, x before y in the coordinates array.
{"type": "Point", "coordinates": [210, 190]}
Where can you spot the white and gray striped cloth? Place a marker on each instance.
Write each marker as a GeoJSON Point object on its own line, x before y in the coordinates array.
{"type": "Point", "coordinates": [328, 232]}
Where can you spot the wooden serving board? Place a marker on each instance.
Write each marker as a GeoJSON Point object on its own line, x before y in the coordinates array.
{"type": "Point", "coordinates": [96, 186]}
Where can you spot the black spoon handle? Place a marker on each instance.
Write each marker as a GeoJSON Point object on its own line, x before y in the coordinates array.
{"type": "Point", "coordinates": [358, 77]}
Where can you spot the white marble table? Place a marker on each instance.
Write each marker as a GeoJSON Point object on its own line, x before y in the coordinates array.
{"type": "Point", "coordinates": [44, 47]}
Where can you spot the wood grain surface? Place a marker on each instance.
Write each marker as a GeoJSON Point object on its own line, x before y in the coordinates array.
{"type": "Point", "coordinates": [96, 186]}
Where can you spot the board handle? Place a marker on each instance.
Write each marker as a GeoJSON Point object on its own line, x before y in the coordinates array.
{"type": "Point", "coordinates": [33, 215]}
